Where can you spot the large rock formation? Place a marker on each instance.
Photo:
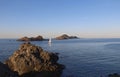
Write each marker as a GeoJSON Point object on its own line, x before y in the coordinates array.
{"type": "Point", "coordinates": [65, 36]}
{"type": "Point", "coordinates": [38, 38]}
{"type": "Point", "coordinates": [30, 60]}
{"type": "Point", "coordinates": [6, 72]}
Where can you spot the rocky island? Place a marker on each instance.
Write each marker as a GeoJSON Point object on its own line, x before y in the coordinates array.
{"type": "Point", "coordinates": [38, 38]}
{"type": "Point", "coordinates": [65, 36]}
{"type": "Point", "coordinates": [31, 61]}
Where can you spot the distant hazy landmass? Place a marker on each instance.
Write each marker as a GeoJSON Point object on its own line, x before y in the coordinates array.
{"type": "Point", "coordinates": [65, 36]}
{"type": "Point", "coordinates": [38, 38]}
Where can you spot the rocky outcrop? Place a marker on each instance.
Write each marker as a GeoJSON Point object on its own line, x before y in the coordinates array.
{"type": "Point", "coordinates": [114, 75]}
{"type": "Point", "coordinates": [30, 60]}
{"type": "Point", "coordinates": [6, 72]}
{"type": "Point", "coordinates": [65, 36]}
{"type": "Point", "coordinates": [38, 38]}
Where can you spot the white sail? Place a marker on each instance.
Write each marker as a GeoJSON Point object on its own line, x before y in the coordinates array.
{"type": "Point", "coordinates": [50, 40]}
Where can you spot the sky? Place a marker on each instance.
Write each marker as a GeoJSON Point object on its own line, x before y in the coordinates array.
{"type": "Point", "coordinates": [51, 18]}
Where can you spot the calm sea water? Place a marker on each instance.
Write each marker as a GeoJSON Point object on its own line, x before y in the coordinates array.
{"type": "Point", "coordinates": [82, 57]}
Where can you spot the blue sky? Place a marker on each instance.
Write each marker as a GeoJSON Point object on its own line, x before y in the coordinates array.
{"type": "Point", "coordinates": [50, 18]}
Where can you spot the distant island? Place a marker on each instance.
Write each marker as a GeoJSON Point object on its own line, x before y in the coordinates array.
{"type": "Point", "coordinates": [65, 36]}
{"type": "Point", "coordinates": [38, 38]}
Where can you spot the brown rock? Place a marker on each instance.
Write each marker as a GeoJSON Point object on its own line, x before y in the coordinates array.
{"type": "Point", "coordinates": [38, 38]}
{"type": "Point", "coordinates": [30, 58]}
{"type": "Point", "coordinates": [23, 39]}
{"type": "Point", "coordinates": [65, 36]}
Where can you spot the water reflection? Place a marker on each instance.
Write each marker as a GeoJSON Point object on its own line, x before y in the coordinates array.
{"type": "Point", "coordinates": [50, 44]}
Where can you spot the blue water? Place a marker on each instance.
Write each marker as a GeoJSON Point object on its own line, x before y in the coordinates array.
{"type": "Point", "coordinates": [82, 57]}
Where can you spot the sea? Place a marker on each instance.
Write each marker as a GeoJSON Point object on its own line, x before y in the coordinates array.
{"type": "Point", "coordinates": [85, 57]}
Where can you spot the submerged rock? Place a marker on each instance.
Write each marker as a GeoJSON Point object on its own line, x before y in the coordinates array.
{"type": "Point", "coordinates": [38, 38]}
{"type": "Point", "coordinates": [65, 36]}
{"type": "Point", "coordinates": [114, 75]}
{"type": "Point", "coordinates": [30, 60]}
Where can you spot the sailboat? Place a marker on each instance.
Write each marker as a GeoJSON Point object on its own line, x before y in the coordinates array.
{"type": "Point", "coordinates": [49, 40]}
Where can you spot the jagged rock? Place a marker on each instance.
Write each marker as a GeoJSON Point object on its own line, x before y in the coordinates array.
{"type": "Point", "coordinates": [23, 39]}
{"type": "Point", "coordinates": [6, 72]}
{"type": "Point", "coordinates": [38, 38]}
{"type": "Point", "coordinates": [114, 75]}
{"type": "Point", "coordinates": [30, 59]}
{"type": "Point", "coordinates": [65, 36]}
{"type": "Point", "coordinates": [73, 37]}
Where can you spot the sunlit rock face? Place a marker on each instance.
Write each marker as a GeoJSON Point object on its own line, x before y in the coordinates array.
{"type": "Point", "coordinates": [65, 36]}
{"type": "Point", "coordinates": [38, 38]}
{"type": "Point", "coordinates": [33, 60]}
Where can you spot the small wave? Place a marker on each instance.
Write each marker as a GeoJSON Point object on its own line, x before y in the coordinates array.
{"type": "Point", "coordinates": [113, 46]}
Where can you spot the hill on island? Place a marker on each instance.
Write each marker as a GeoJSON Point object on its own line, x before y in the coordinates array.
{"type": "Point", "coordinates": [65, 36]}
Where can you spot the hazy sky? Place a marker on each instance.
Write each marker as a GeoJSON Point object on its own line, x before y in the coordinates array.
{"type": "Point", "coordinates": [49, 18]}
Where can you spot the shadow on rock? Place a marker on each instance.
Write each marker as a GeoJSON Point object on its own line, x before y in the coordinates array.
{"type": "Point", "coordinates": [6, 72]}
{"type": "Point", "coordinates": [114, 75]}
{"type": "Point", "coordinates": [42, 74]}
